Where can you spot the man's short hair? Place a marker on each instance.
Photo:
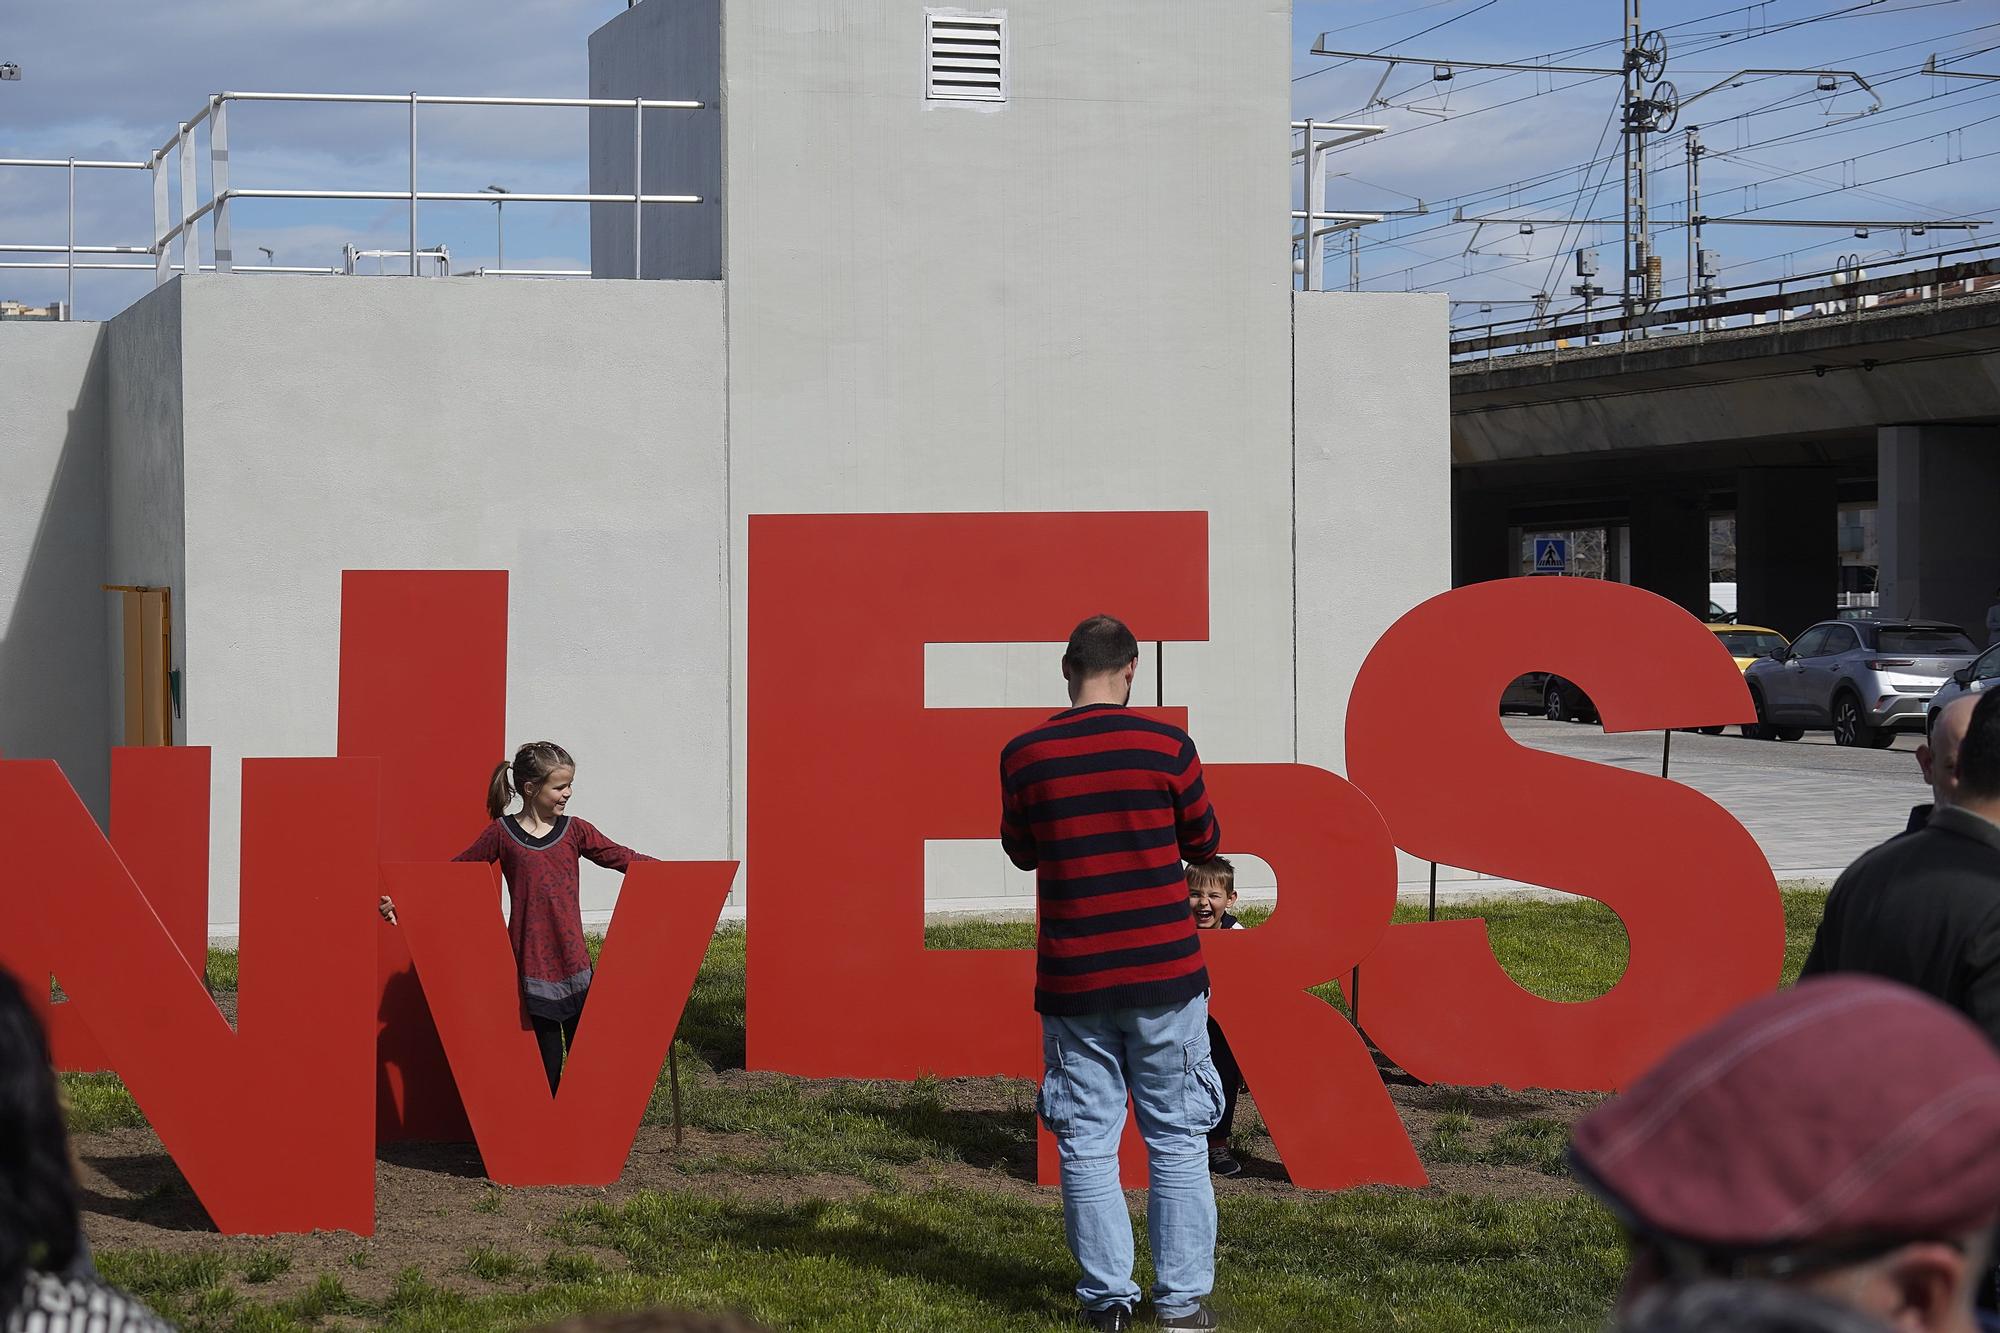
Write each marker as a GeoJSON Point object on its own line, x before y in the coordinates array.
{"type": "Point", "coordinates": [1979, 752]}
{"type": "Point", "coordinates": [1215, 870]}
{"type": "Point", "coordinates": [1099, 646]}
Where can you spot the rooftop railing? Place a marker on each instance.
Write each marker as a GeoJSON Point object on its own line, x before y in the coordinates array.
{"type": "Point", "coordinates": [181, 206]}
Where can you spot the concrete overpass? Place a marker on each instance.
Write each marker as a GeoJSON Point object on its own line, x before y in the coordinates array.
{"type": "Point", "coordinates": [1778, 422]}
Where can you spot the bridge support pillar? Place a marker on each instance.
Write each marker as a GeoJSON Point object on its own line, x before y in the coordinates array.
{"type": "Point", "coordinates": [1940, 546]}
{"type": "Point", "coordinates": [1670, 547]}
{"type": "Point", "coordinates": [1480, 537]}
{"type": "Point", "coordinates": [1787, 546]}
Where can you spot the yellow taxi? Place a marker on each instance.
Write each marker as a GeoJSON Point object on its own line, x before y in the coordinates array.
{"type": "Point", "coordinates": [1746, 643]}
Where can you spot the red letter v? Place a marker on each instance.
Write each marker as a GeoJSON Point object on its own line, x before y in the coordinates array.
{"type": "Point", "coordinates": [582, 1135]}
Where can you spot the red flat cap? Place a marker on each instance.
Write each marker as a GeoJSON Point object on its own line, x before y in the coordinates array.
{"type": "Point", "coordinates": [1845, 1108]}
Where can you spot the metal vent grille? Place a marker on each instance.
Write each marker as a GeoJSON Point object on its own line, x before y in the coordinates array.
{"type": "Point", "coordinates": [967, 56]}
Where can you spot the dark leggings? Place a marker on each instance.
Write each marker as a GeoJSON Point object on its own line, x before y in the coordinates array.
{"type": "Point", "coordinates": [553, 1036]}
{"type": "Point", "coordinates": [1232, 1083]}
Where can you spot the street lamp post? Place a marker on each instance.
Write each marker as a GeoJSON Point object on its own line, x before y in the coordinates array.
{"type": "Point", "coordinates": [270, 257]}
{"type": "Point", "coordinates": [499, 225]}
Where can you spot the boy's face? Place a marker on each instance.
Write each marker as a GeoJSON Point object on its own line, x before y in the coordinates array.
{"type": "Point", "coordinates": [1209, 901]}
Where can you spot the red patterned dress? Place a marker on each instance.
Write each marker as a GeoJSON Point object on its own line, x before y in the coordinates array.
{"type": "Point", "coordinates": [546, 916]}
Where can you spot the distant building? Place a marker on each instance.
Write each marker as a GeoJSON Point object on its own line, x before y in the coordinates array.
{"type": "Point", "coordinates": [15, 310]}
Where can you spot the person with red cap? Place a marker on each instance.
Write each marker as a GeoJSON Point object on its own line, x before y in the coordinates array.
{"type": "Point", "coordinates": [1842, 1137]}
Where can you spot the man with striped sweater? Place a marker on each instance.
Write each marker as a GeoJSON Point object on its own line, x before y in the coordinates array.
{"type": "Point", "coordinates": [1103, 804]}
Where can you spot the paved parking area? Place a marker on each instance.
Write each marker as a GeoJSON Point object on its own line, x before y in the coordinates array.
{"type": "Point", "coordinates": [1810, 804]}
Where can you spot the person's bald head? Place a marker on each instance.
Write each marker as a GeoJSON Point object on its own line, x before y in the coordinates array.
{"type": "Point", "coordinates": [1938, 755]}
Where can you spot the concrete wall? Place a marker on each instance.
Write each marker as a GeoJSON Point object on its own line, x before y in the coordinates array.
{"type": "Point", "coordinates": [54, 657]}
{"type": "Point", "coordinates": [1078, 299]}
{"type": "Point", "coordinates": [670, 50]}
{"type": "Point", "coordinates": [569, 432]}
{"type": "Point", "coordinates": [147, 538]}
{"type": "Point", "coordinates": [1373, 488]}
{"type": "Point", "coordinates": [1940, 549]}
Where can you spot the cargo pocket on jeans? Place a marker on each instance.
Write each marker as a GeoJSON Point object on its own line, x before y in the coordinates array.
{"type": "Point", "coordinates": [1203, 1091]}
{"type": "Point", "coordinates": [1055, 1103]}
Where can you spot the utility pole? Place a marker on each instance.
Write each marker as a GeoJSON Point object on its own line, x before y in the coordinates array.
{"type": "Point", "coordinates": [1644, 114]}
{"type": "Point", "coordinates": [1694, 152]}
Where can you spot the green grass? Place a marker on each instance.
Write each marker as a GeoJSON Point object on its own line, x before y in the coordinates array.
{"type": "Point", "coordinates": [949, 1260]}
{"type": "Point", "coordinates": [1558, 950]}
{"type": "Point", "coordinates": [908, 1253]}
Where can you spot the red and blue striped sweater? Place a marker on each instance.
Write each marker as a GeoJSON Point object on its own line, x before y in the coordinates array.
{"type": "Point", "coordinates": [1103, 804]}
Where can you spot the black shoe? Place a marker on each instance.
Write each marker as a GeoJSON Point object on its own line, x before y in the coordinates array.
{"type": "Point", "coordinates": [1114, 1319]}
{"type": "Point", "coordinates": [1199, 1317]}
{"type": "Point", "coordinates": [1220, 1163]}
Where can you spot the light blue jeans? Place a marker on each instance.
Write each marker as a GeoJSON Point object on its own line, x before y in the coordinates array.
{"type": "Point", "coordinates": [1160, 1055]}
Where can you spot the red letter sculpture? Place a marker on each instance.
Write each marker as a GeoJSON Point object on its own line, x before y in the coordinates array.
{"type": "Point", "coordinates": [849, 773]}
{"type": "Point", "coordinates": [423, 688]}
{"type": "Point", "coordinates": [159, 828]}
{"type": "Point", "coordinates": [1699, 904]}
{"type": "Point", "coordinates": [1317, 1089]}
{"type": "Point", "coordinates": [847, 769]}
{"type": "Point", "coordinates": [581, 1136]}
{"type": "Point", "coordinates": [270, 1124]}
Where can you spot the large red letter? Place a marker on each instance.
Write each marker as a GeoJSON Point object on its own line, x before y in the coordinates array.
{"type": "Point", "coordinates": [423, 688]}
{"type": "Point", "coordinates": [269, 1123]}
{"type": "Point", "coordinates": [159, 828]}
{"type": "Point", "coordinates": [849, 773]}
{"type": "Point", "coordinates": [1317, 1090]}
{"type": "Point", "coordinates": [581, 1136]}
{"type": "Point", "coordinates": [1699, 904]}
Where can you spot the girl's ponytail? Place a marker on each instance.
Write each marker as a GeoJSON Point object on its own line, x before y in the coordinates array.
{"type": "Point", "coordinates": [499, 791]}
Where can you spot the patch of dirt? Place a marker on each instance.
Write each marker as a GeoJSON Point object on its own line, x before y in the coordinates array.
{"type": "Point", "coordinates": [433, 1206]}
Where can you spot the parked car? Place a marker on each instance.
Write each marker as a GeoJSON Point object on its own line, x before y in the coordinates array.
{"type": "Point", "coordinates": [1866, 680]}
{"type": "Point", "coordinates": [1975, 679]}
{"type": "Point", "coordinates": [1746, 643]}
{"type": "Point", "coordinates": [1561, 700]}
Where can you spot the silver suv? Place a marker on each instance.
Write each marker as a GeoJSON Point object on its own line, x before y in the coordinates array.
{"type": "Point", "coordinates": [1866, 680]}
{"type": "Point", "coordinates": [1978, 678]}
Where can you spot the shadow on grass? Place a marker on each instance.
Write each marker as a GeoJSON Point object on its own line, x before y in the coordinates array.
{"type": "Point", "coordinates": [154, 1192]}
{"type": "Point", "coordinates": [1005, 1256]}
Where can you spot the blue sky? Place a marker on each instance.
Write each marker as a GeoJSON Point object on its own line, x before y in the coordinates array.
{"type": "Point", "coordinates": [1512, 144]}
{"type": "Point", "coordinates": [111, 78]}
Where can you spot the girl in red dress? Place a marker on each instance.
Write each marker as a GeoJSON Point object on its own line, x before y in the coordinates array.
{"type": "Point", "coordinates": [538, 851]}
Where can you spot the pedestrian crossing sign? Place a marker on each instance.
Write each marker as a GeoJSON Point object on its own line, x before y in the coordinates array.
{"type": "Point", "coordinates": [1551, 555]}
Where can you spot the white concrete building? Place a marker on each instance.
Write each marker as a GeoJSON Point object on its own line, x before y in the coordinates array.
{"type": "Point", "coordinates": [1076, 296]}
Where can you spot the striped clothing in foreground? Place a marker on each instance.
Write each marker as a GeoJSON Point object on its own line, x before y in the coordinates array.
{"type": "Point", "coordinates": [1103, 804]}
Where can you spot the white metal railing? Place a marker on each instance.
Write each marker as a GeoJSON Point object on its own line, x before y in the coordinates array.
{"type": "Point", "coordinates": [179, 159]}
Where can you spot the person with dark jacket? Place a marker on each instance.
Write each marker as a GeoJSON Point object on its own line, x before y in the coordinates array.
{"type": "Point", "coordinates": [1937, 756]}
{"type": "Point", "coordinates": [1924, 907]}
{"type": "Point", "coordinates": [45, 1286]}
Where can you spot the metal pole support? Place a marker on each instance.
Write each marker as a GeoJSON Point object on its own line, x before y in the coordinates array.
{"type": "Point", "coordinates": [161, 269]}
{"type": "Point", "coordinates": [638, 184]}
{"type": "Point", "coordinates": [190, 187]}
{"type": "Point", "coordinates": [69, 300]}
{"type": "Point", "coordinates": [413, 184]}
{"type": "Point", "coordinates": [218, 170]}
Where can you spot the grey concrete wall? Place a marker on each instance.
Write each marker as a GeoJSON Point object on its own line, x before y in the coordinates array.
{"type": "Point", "coordinates": [54, 659]}
{"type": "Point", "coordinates": [1373, 488]}
{"type": "Point", "coordinates": [570, 432]}
{"type": "Point", "coordinates": [1078, 299]}
{"type": "Point", "coordinates": [670, 50]}
{"type": "Point", "coordinates": [147, 479]}
{"type": "Point", "coordinates": [1787, 547]}
{"type": "Point", "coordinates": [1940, 547]}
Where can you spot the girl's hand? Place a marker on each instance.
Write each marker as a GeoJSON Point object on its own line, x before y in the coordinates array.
{"type": "Point", "coordinates": [387, 907]}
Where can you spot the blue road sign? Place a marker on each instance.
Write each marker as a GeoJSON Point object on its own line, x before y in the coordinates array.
{"type": "Point", "coordinates": [1551, 555]}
